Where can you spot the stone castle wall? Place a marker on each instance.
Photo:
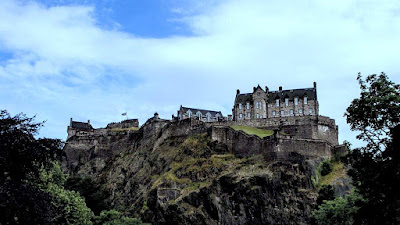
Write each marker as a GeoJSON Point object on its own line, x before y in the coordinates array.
{"type": "Point", "coordinates": [272, 147]}
{"type": "Point", "coordinates": [306, 127]}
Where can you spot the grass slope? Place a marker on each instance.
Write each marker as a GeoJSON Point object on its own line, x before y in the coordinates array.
{"type": "Point", "coordinates": [254, 131]}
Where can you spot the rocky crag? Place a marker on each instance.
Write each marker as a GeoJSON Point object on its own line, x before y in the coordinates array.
{"type": "Point", "coordinates": [190, 172]}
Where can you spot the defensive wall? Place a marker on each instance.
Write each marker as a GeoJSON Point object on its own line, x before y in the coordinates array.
{"type": "Point", "coordinates": [306, 127]}
{"type": "Point", "coordinates": [276, 146]}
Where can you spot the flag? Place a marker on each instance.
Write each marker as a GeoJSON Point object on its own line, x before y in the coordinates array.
{"type": "Point", "coordinates": [123, 114]}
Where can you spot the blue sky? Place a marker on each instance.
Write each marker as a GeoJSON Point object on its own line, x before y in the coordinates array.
{"type": "Point", "coordinates": [97, 59]}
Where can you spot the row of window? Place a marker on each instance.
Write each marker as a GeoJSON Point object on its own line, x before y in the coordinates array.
{"type": "Point", "coordinates": [277, 101]}
{"type": "Point", "coordinates": [296, 101]}
{"type": "Point", "coordinates": [291, 112]}
{"type": "Point", "coordinates": [198, 114]}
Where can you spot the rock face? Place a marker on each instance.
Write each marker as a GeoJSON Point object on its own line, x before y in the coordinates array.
{"type": "Point", "coordinates": [174, 173]}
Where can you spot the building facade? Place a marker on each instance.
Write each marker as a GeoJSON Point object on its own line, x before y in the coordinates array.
{"type": "Point", "coordinates": [263, 104]}
{"type": "Point", "coordinates": [200, 114]}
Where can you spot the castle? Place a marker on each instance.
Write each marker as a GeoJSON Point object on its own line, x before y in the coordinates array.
{"type": "Point", "coordinates": [262, 104]}
{"type": "Point", "coordinates": [292, 115]}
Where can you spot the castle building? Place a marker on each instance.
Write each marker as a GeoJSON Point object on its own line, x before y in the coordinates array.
{"type": "Point", "coordinates": [272, 104]}
{"type": "Point", "coordinates": [200, 114]}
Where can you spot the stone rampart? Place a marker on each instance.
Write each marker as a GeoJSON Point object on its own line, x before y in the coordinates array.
{"type": "Point", "coordinates": [306, 127]}
{"type": "Point", "coordinates": [272, 147]}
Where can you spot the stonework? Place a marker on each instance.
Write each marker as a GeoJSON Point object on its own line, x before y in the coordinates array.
{"type": "Point", "coordinates": [262, 104]}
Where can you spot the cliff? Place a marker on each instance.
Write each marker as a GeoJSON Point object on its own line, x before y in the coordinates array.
{"type": "Point", "coordinates": [188, 172]}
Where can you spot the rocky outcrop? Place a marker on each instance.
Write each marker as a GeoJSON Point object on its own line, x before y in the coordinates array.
{"type": "Point", "coordinates": [174, 173]}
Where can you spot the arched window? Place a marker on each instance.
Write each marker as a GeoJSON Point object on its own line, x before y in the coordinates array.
{"type": "Point", "coordinates": [208, 117]}
{"type": "Point", "coordinates": [189, 113]}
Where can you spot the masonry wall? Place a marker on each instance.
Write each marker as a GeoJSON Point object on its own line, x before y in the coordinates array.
{"type": "Point", "coordinates": [271, 147]}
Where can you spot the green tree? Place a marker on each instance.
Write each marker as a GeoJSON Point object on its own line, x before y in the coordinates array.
{"type": "Point", "coordinates": [114, 217]}
{"type": "Point", "coordinates": [339, 211]}
{"type": "Point", "coordinates": [31, 183]}
{"type": "Point", "coordinates": [375, 112]}
{"type": "Point", "coordinates": [375, 168]}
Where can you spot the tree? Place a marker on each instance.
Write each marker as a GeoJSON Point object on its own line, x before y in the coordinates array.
{"type": "Point", "coordinates": [31, 183]}
{"type": "Point", "coordinates": [375, 168]}
{"type": "Point", "coordinates": [375, 112]}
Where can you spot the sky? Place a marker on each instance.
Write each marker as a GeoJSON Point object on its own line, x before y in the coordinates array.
{"type": "Point", "coordinates": [96, 59]}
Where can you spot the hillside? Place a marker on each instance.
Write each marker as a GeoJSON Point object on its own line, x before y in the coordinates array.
{"type": "Point", "coordinates": [177, 173]}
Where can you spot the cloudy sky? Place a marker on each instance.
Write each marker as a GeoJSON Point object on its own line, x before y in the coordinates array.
{"type": "Point", "coordinates": [96, 59]}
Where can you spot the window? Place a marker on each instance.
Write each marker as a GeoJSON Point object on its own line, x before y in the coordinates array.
{"type": "Point", "coordinates": [217, 116]}
{"type": "Point", "coordinates": [282, 112]}
{"type": "Point", "coordinates": [189, 113]}
{"type": "Point", "coordinates": [199, 115]}
{"type": "Point", "coordinates": [277, 102]}
{"type": "Point", "coordinates": [305, 100]}
{"type": "Point", "coordinates": [273, 113]}
{"type": "Point", "coordinates": [248, 115]}
{"type": "Point", "coordinates": [296, 101]}
{"type": "Point", "coordinates": [240, 105]}
{"type": "Point", "coordinates": [248, 105]}
{"type": "Point", "coordinates": [300, 111]}
{"type": "Point", "coordinates": [291, 112]}
{"type": "Point", "coordinates": [286, 101]}
{"type": "Point", "coordinates": [258, 116]}
{"type": "Point", "coordinates": [258, 94]}
{"type": "Point", "coordinates": [208, 117]}
{"type": "Point", "coordinates": [240, 115]}
{"type": "Point", "coordinates": [310, 111]}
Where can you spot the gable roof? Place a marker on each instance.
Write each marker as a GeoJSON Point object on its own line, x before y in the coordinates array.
{"type": "Point", "coordinates": [203, 111]}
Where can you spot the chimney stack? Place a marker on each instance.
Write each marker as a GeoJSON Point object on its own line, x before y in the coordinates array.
{"type": "Point", "coordinates": [70, 122]}
{"type": "Point", "coordinates": [266, 89]}
{"type": "Point", "coordinates": [88, 121]}
{"type": "Point", "coordinates": [315, 85]}
{"type": "Point", "coordinates": [237, 91]}
{"type": "Point", "coordinates": [280, 88]}
{"type": "Point", "coordinates": [254, 89]}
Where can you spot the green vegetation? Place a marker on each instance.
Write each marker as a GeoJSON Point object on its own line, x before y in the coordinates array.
{"type": "Point", "coordinates": [114, 217]}
{"type": "Point", "coordinates": [339, 210]}
{"type": "Point", "coordinates": [32, 183]}
{"type": "Point", "coordinates": [254, 131]}
{"type": "Point", "coordinates": [375, 168]}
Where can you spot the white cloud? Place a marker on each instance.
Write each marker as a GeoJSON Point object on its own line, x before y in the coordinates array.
{"type": "Point", "coordinates": [64, 64]}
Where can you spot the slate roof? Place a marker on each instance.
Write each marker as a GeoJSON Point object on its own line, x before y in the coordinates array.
{"type": "Point", "coordinates": [244, 97]}
{"type": "Point", "coordinates": [81, 125]}
{"type": "Point", "coordinates": [309, 92]}
{"type": "Point", "coordinates": [203, 111]}
{"type": "Point", "coordinates": [273, 95]}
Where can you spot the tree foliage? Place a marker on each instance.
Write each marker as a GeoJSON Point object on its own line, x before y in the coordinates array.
{"type": "Point", "coordinates": [114, 217]}
{"type": "Point", "coordinates": [375, 168]}
{"type": "Point", "coordinates": [31, 183]}
{"type": "Point", "coordinates": [376, 111]}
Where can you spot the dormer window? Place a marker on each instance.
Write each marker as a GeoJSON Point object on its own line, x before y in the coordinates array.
{"type": "Point", "coordinates": [208, 117]}
{"type": "Point", "coordinates": [240, 105]}
{"type": "Point", "coordinates": [277, 102]}
{"type": "Point", "coordinates": [305, 100]}
{"type": "Point", "coordinates": [286, 101]}
{"type": "Point", "coordinates": [296, 101]}
{"type": "Point", "coordinates": [248, 105]}
{"type": "Point", "coordinates": [217, 116]}
{"type": "Point", "coordinates": [189, 113]}
{"type": "Point", "coordinates": [198, 114]}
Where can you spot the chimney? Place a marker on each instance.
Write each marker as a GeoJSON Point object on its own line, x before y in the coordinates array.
{"type": "Point", "coordinates": [266, 89]}
{"type": "Point", "coordinates": [315, 85]}
{"type": "Point", "coordinates": [254, 89]}
{"type": "Point", "coordinates": [156, 116]}
{"type": "Point", "coordinates": [70, 122]}
{"type": "Point", "coordinates": [88, 121]}
{"type": "Point", "coordinates": [280, 88]}
{"type": "Point", "coordinates": [237, 91]}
